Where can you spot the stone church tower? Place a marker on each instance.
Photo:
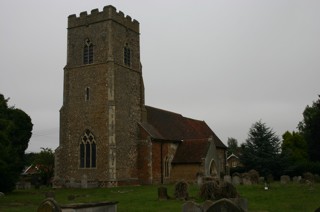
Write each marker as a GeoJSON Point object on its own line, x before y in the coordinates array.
{"type": "Point", "coordinates": [103, 100]}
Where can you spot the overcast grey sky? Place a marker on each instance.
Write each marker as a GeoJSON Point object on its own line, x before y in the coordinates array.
{"type": "Point", "coordinates": [229, 63]}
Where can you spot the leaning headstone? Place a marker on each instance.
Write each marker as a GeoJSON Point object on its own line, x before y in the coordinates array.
{"type": "Point", "coordinates": [284, 179]}
{"type": "Point", "coordinates": [49, 205]}
{"type": "Point", "coordinates": [227, 178]}
{"type": "Point", "coordinates": [224, 205]}
{"type": "Point", "coordinates": [1, 194]}
{"type": "Point", "coordinates": [191, 207]}
{"type": "Point", "coordinates": [84, 181]}
{"type": "Point", "coordinates": [236, 180]}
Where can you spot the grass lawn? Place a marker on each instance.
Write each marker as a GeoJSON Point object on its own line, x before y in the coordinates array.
{"type": "Point", "coordinates": [291, 197]}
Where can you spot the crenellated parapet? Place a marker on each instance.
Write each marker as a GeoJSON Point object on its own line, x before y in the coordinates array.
{"type": "Point", "coordinates": [108, 13]}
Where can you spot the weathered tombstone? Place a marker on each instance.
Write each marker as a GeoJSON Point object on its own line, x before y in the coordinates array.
{"type": "Point", "coordinates": [227, 178]}
{"type": "Point", "coordinates": [206, 204]}
{"type": "Point", "coordinates": [241, 203]}
{"type": "Point", "coordinates": [246, 181]}
{"type": "Point", "coordinates": [162, 193]}
{"type": "Point", "coordinates": [261, 180]}
{"type": "Point", "coordinates": [236, 180]}
{"type": "Point", "coordinates": [1, 194]}
{"type": "Point", "coordinates": [296, 179]}
{"type": "Point", "coordinates": [191, 207]}
{"type": "Point", "coordinates": [284, 179]}
{"type": "Point", "coordinates": [84, 181]}
{"type": "Point", "coordinates": [199, 179]}
{"type": "Point", "coordinates": [224, 205]}
{"type": "Point", "coordinates": [49, 205]}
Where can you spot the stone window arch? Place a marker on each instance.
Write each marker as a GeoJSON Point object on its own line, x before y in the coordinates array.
{"type": "Point", "coordinates": [88, 150]}
{"type": "Point", "coordinates": [88, 52]}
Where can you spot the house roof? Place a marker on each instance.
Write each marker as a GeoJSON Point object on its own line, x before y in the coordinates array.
{"type": "Point", "coordinates": [232, 156]}
{"type": "Point", "coordinates": [166, 125]}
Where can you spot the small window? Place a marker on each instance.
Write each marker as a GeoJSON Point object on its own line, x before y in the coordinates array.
{"type": "Point", "coordinates": [127, 55]}
{"type": "Point", "coordinates": [88, 52]}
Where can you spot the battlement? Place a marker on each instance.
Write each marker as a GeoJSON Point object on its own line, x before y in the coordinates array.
{"type": "Point", "coordinates": [108, 13]}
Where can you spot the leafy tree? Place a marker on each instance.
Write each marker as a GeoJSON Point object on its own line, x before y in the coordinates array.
{"type": "Point", "coordinates": [232, 146]}
{"type": "Point", "coordinates": [261, 151]}
{"type": "Point", "coordinates": [310, 129]}
{"type": "Point", "coordinates": [294, 147]}
{"type": "Point", "coordinates": [45, 163]}
{"type": "Point", "coordinates": [15, 132]}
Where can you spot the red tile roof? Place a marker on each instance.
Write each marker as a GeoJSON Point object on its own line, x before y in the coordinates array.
{"type": "Point", "coordinates": [191, 151]}
{"type": "Point", "coordinates": [166, 125]}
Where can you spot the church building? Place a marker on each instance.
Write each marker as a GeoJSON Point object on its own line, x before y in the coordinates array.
{"type": "Point", "coordinates": [108, 136]}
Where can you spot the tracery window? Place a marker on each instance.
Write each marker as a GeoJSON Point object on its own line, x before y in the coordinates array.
{"type": "Point", "coordinates": [127, 55]}
{"type": "Point", "coordinates": [88, 52]}
{"type": "Point", "coordinates": [88, 150]}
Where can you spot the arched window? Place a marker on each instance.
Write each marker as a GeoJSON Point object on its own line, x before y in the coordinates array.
{"type": "Point", "coordinates": [127, 55]}
{"type": "Point", "coordinates": [87, 94]}
{"type": "Point", "coordinates": [88, 52]}
{"type": "Point", "coordinates": [88, 151]}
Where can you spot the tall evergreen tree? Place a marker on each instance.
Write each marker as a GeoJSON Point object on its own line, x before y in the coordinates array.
{"type": "Point", "coordinates": [261, 151]}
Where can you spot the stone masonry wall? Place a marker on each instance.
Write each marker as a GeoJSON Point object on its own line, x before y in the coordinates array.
{"type": "Point", "coordinates": [116, 98]}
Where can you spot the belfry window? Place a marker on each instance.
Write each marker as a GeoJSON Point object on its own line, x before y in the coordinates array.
{"type": "Point", "coordinates": [88, 151]}
{"type": "Point", "coordinates": [88, 52]}
{"type": "Point", "coordinates": [127, 55]}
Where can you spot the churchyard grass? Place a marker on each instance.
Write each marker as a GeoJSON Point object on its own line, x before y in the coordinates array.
{"type": "Point", "coordinates": [290, 197]}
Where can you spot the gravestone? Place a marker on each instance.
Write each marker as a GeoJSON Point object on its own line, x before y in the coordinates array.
{"type": "Point", "coordinates": [1, 194]}
{"type": "Point", "coordinates": [223, 205]}
{"type": "Point", "coordinates": [246, 181]}
{"type": "Point", "coordinates": [191, 207]}
{"type": "Point", "coordinates": [206, 205]}
{"type": "Point", "coordinates": [84, 181]}
{"type": "Point", "coordinates": [227, 178]}
{"type": "Point", "coordinates": [296, 179]}
{"type": "Point", "coordinates": [162, 193]}
{"type": "Point", "coordinates": [261, 180]}
{"type": "Point", "coordinates": [236, 180]}
{"type": "Point", "coordinates": [241, 203]}
{"type": "Point", "coordinates": [284, 179]}
{"type": "Point", "coordinates": [49, 205]}
{"type": "Point", "coordinates": [199, 179]}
